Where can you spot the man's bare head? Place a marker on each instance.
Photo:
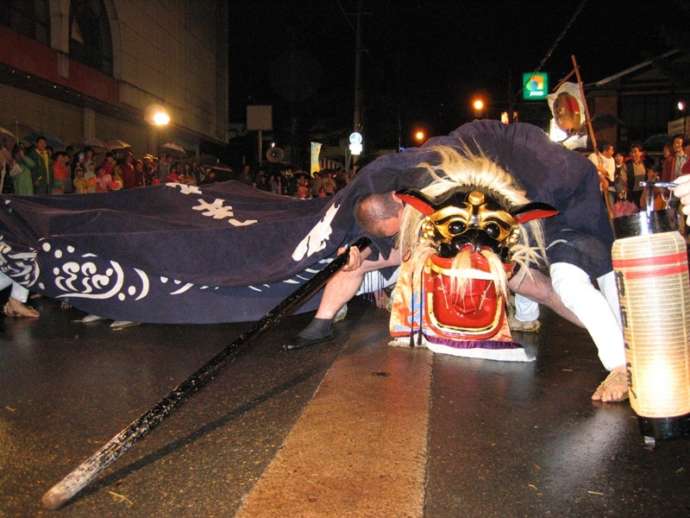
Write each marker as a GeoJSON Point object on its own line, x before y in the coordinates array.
{"type": "Point", "coordinates": [379, 214]}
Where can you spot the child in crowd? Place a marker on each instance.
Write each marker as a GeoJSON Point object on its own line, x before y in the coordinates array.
{"type": "Point", "coordinates": [104, 176]}
{"type": "Point", "coordinates": [303, 188]}
{"type": "Point", "coordinates": [61, 173]}
{"type": "Point", "coordinates": [173, 175]}
{"type": "Point", "coordinates": [84, 182]}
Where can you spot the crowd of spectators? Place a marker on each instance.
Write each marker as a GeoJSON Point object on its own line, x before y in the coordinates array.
{"type": "Point", "coordinates": [290, 181]}
{"type": "Point", "coordinates": [300, 184]}
{"type": "Point", "coordinates": [625, 174]}
{"type": "Point", "coordinates": [39, 169]}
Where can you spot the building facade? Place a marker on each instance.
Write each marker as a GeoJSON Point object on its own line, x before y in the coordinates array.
{"type": "Point", "coordinates": [84, 69]}
{"type": "Point", "coordinates": [638, 103]}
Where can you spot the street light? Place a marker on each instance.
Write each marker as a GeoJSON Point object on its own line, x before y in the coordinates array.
{"type": "Point", "coordinates": [157, 115]}
{"type": "Point", "coordinates": [479, 106]}
{"type": "Point", "coordinates": [420, 136]}
{"type": "Point", "coordinates": [160, 118]}
{"type": "Point", "coordinates": [681, 105]}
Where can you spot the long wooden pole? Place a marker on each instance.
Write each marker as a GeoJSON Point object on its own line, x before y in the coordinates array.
{"type": "Point", "coordinates": [563, 80]}
{"type": "Point", "coordinates": [588, 119]}
{"type": "Point", "coordinates": [89, 469]}
{"type": "Point", "coordinates": [592, 136]}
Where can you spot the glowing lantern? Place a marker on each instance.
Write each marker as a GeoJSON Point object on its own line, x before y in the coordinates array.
{"type": "Point", "coordinates": [651, 265]}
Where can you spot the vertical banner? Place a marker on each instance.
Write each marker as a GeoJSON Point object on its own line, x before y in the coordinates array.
{"type": "Point", "coordinates": [314, 150]}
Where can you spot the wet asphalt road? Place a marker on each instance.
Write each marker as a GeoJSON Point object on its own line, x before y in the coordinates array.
{"type": "Point", "coordinates": [525, 440]}
{"type": "Point", "coordinates": [505, 439]}
{"type": "Point", "coordinates": [66, 388]}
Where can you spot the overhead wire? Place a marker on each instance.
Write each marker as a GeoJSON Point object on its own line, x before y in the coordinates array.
{"type": "Point", "coordinates": [562, 34]}
{"type": "Point", "coordinates": [558, 39]}
{"type": "Point", "coordinates": [347, 19]}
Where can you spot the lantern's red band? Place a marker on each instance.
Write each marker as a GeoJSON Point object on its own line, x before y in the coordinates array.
{"type": "Point", "coordinates": [680, 257]}
{"type": "Point", "coordinates": [657, 272]}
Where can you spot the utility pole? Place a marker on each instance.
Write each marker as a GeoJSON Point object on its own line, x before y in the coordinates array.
{"type": "Point", "coordinates": [398, 95]}
{"type": "Point", "coordinates": [357, 118]}
{"type": "Point", "coordinates": [350, 159]}
{"type": "Point", "coordinates": [510, 97]}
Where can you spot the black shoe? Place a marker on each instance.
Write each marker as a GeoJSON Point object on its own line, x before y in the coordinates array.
{"type": "Point", "coordinates": [299, 342]}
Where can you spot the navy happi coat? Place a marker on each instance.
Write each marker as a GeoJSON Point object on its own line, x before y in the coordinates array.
{"type": "Point", "coordinates": [227, 252]}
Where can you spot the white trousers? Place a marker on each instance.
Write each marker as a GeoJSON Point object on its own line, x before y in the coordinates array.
{"type": "Point", "coordinates": [598, 311]}
{"type": "Point", "coordinates": [19, 292]}
{"type": "Point", "coordinates": [526, 309]}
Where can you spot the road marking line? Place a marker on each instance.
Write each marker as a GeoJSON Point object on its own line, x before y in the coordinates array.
{"type": "Point", "coordinates": [360, 446]}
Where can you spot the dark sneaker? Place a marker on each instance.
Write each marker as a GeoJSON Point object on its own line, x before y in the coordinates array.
{"type": "Point", "coordinates": [300, 342]}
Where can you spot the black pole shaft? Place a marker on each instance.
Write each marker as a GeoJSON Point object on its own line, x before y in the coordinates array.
{"type": "Point", "coordinates": [89, 469]}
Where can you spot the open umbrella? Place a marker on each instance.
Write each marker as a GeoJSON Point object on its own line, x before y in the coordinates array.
{"type": "Point", "coordinates": [173, 148]}
{"type": "Point", "coordinates": [97, 145]}
{"type": "Point", "coordinates": [20, 128]}
{"type": "Point", "coordinates": [94, 143]}
{"type": "Point", "coordinates": [656, 142]}
{"type": "Point", "coordinates": [112, 145]}
{"type": "Point", "coordinates": [5, 133]}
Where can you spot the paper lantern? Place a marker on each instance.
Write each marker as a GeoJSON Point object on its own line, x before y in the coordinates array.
{"type": "Point", "coordinates": [651, 265]}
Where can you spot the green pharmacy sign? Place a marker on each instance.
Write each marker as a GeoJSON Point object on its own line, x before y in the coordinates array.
{"type": "Point", "coordinates": [535, 86]}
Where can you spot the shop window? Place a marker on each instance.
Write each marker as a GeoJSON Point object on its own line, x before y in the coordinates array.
{"type": "Point", "coordinates": [89, 35]}
{"type": "Point", "coordinates": [31, 18]}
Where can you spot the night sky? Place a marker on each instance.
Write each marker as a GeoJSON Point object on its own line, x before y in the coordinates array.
{"type": "Point", "coordinates": [423, 59]}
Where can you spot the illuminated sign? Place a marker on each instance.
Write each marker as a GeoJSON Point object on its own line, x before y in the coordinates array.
{"type": "Point", "coordinates": [535, 86]}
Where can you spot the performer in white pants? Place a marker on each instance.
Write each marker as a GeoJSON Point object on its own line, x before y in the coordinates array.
{"type": "Point", "coordinates": [16, 304]}
{"type": "Point", "coordinates": [578, 240]}
{"type": "Point", "coordinates": [568, 291]}
{"type": "Point", "coordinates": [597, 310]}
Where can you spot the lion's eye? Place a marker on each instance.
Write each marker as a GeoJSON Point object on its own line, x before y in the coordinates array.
{"type": "Point", "coordinates": [492, 230]}
{"type": "Point", "coordinates": [456, 227]}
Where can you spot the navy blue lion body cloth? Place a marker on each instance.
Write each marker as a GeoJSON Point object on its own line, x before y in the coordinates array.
{"type": "Point", "coordinates": [226, 252]}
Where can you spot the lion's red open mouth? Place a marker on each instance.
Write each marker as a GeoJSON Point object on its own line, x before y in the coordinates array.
{"type": "Point", "coordinates": [476, 310]}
